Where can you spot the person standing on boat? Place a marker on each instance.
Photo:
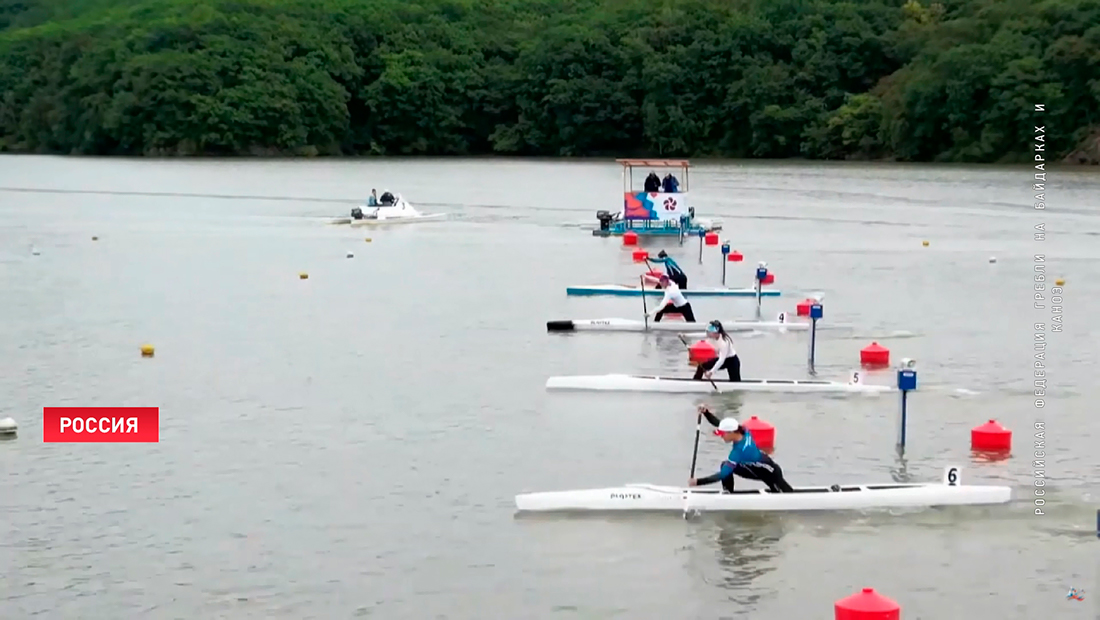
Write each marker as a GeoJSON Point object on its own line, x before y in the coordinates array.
{"type": "Point", "coordinates": [373, 200]}
{"type": "Point", "coordinates": [672, 270]}
{"type": "Point", "coordinates": [673, 302]}
{"type": "Point", "coordinates": [652, 183]}
{"type": "Point", "coordinates": [727, 355]}
{"type": "Point", "coordinates": [669, 184]}
{"type": "Point", "coordinates": [745, 458]}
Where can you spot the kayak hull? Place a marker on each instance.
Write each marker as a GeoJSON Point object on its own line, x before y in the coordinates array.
{"type": "Point", "coordinates": [620, 290]}
{"type": "Point", "coordinates": [633, 325]}
{"type": "Point", "coordinates": [679, 385]}
{"type": "Point", "coordinates": [646, 497]}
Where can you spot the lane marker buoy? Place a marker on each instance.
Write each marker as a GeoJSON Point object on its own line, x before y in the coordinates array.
{"type": "Point", "coordinates": [763, 434]}
{"type": "Point", "coordinates": [874, 355]}
{"type": "Point", "coordinates": [303, 276]}
{"type": "Point", "coordinates": [8, 427]}
{"type": "Point", "coordinates": [866, 605]}
{"type": "Point", "coordinates": [990, 437]}
{"type": "Point", "coordinates": [147, 350]}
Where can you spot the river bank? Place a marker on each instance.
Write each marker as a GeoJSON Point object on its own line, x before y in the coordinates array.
{"type": "Point", "coordinates": [827, 81]}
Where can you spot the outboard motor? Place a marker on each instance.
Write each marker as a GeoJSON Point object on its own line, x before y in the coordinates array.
{"type": "Point", "coordinates": [605, 219]}
{"type": "Point", "coordinates": [357, 213]}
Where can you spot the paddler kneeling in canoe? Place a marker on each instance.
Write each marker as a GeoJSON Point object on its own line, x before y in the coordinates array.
{"type": "Point", "coordinates": [745, 459]}
{"type": "Point", "coordinates": [672, 270]}
{"type": "Point", "coordinates": [726, 355]}
{"type": "Point", "coordinates": [677, 300]}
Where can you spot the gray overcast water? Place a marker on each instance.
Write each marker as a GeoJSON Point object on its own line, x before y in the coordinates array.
{"type": "Point", "coordinates": [350, 445]}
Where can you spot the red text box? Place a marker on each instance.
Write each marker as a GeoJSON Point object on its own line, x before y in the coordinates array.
{"type": "Point", "coordinates": [101, 424]}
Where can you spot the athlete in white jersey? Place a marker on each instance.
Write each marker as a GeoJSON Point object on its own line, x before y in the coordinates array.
{"type": "Point", "coordinates": [727, 356]}
{"type": "Point", "coordinates": [673, 302]}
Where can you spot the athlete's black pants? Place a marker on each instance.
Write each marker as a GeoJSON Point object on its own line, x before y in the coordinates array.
{"type": "Point", "coordinates": [732, 366]}
{"type": "Point", "coordinates": [684, 311]}
{"type": "Point", "coordinates": [766, 471]}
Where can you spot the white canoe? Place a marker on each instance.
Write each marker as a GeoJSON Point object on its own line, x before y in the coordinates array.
{"type": "Point", "coordinates": [633, 325]}
{"type": "Point", "coordinates": [684, 385]}
{"type": "Point", "coordinates": [649, 497]}
{"type": "Point", "coordinates": [622, 290]}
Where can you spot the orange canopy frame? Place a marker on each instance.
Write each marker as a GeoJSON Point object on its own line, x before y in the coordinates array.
{"type": "Point", "coordinates": [655, 163]}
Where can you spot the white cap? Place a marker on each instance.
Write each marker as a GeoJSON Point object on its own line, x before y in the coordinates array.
{"type": "Point", "coordinates": [727, 425]}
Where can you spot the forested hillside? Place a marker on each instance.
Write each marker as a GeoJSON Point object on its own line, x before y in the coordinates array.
{"type": "Point", "coordinates": [950, 81]}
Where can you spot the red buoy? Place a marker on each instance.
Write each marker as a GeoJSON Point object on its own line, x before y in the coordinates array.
{"type": "Point", "coordinates": [640, 255]}
{"type": "Point", "coordinates": [700, 352]}
{"type": "Point", "coordinates": [711, 238]}
{"type": "Point", "coordinates": [990, 437]}
{"type": "Point", "coordinates": [867, 605]}
{"type": "Point", "coordinates": [630, 238]}
{"type": "Point", "coordinates": [768, 279]}
{"type": "Point", "coordinates": [803, 307]}
{"type": "Point", "coordinates": [735, 257]}
{"type": "Point", "coordinates": [762, 432]}
{"type": "Point", "coordinates": [874, 355]}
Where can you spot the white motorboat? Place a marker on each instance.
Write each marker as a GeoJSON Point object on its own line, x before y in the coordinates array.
{"type": "Point", "coordinates": [392, 209]}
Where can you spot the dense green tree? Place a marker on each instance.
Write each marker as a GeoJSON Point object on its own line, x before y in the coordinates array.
{"type": "Point", "coordinates": [955, 80]}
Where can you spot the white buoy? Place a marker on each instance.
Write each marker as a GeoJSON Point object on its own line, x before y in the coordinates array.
{"type": "Point", "coordinates": [350, 255]}
{"type": "Point", "coordinates": [8, 426]}
{"type": "Point", "coordinates": [992, 259]}
{"type": "Point", "coordinates": [35, 251]}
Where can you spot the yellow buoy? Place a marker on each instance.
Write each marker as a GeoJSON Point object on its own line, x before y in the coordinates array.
{"type": "Point", "coordinates": [147, 350]}
{"type": "Point", "coordinates": [368, 240]}
{"type": "Point", "coordinates": [924, 243]}
{"type": "Point", "coordinates": [1059, 282]}
{"type": "Point", "coordinates": [303, 276]}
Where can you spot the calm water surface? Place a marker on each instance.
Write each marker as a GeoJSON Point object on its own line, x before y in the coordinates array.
{"type": "Point", "coordinates": [350, 445]}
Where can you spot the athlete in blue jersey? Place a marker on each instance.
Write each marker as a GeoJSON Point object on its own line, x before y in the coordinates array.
{"type": "Point", "coordinates": [745, 459]}
{"type": "Point", "coordinates": [673, 270]}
